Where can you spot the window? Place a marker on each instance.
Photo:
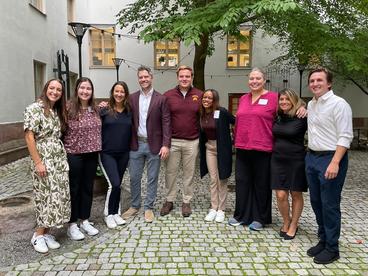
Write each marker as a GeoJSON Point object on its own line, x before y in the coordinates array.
{"type": "Point", "coordinates": [166, 54]}
{"type": "Point", "coordinates": [102, 47]}
{"type": "Point", "coordinates": [39, 77]}
{"type": "Point", "coordinates": [234, 102]}
{"type": "Point", "coordinates": [38, 4]}
{"type": "Point", "coordinates": [238, 51]}
{"type": "Point", "coordinates": [70, 14]}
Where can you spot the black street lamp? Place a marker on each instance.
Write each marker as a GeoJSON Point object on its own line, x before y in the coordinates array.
{"type": "Point", "coordinates": [301, 68]}
{"type": "Point", "coordinates": [79, 30]}
{"type": "Point", "coordinates": [117, 62]}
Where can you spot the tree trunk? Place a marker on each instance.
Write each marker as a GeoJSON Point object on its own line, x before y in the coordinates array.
{"type": "Point", "coordinates": [199, 62]}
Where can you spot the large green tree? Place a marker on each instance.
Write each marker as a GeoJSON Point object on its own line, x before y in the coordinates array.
{"type": "Point", "coordinates": [332, 33]}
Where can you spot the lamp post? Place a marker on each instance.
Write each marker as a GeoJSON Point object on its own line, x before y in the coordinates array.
{"type": "Point", "coordinates": [301, 68]}
{"type": "Point", "coordinates": [79, 30]}
{"type": "Point", "coordinates": [117, 62]}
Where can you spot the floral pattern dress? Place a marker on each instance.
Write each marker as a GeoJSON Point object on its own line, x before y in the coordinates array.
{"type": "Point", "coordinates": [51, 193]}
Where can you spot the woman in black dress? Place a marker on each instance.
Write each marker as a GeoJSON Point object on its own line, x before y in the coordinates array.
{"type": "Point", "coordinates": [287, 162]}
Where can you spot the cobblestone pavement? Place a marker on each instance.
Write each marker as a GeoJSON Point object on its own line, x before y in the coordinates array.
{"type": "Point", "coordinates": [15, 178]}
{"type": "Point", "coordinates": [189, 246]}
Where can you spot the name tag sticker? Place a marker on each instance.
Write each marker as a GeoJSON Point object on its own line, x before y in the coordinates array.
{"type": "Point", "coordinates": [216, 114]}
{"type": "Point", "coordinates": [262, 101]}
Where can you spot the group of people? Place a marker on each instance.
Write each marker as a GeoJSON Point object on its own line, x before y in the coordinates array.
{"type": "Point", "coordinates": [67, 141]}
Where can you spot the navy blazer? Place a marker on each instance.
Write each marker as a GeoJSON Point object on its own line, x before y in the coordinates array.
{"type": "Point", "coordinates": [158, 122]}
{"type": "Point", "coordinates": [223, 143]}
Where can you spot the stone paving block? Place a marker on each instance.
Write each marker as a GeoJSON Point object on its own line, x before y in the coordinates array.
{"type": "Point", "coordinates": [199, 271]}
{"type": "Point", "coordinates": [326, 271]}
{"type": "Point", "coordinates": [122, 272]}
{"type": "Point", "coordinates": [83, 267]}
{"type": "Point", "coordinates": [89, 273]}
{"type": "Point", "coordinates": [173, 271]}
{"type": "Point", "coordinates": [80, 261]}
{"type": "Point", "coordinates": [158, 271]}
{"type": "Point", "coordinates": [103, 272]}
{"type": "Point", "coordinates": [63, 273]}
{"type": "Point", "coordinates": [76, 273]}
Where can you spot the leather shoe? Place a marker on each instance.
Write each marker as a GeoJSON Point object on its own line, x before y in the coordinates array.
{"type": "Point", "coordinates": [282, 233]}
{"type": "Point", "coordinates": [315, 250]}
{"type": "Point", "coordinates": [186, 210]}
{"type": "Point", "coordinates": [166, 209]}
{"type": "Point", "coordinates": [326, 257]}
{"type": "Point", "coordinates": [287, 237]}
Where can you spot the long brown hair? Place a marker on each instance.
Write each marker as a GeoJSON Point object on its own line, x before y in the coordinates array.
{"type": "Point", "coordinates": [112, 102]}
{"type": "Point", "coordinates": [293, 97]}
{"type": "Point", "coordinates": [74, 105]}
{"type": "Point", "coordinates": [215, 102]}
{"type": "Point", "coordinates": [59, 106]}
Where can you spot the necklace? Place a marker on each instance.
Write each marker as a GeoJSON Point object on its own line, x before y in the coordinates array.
{"type": "Point", "coordinates": [207, 116]}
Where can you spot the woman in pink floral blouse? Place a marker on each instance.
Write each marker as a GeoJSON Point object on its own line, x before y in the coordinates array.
{"type": "Point", "coordinates": [82, 142]}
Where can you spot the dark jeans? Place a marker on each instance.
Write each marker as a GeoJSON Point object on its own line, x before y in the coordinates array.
{"type": "Point", "coordinates": [82, 171]}
{"type": "Point", "coordinates": [253, 189]}
{"type": "Point", "coordinates": [113, 167]}
{"type": "Point", "coordinates": [325, 196]}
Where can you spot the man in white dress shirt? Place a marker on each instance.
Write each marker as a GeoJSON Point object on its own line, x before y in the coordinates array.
{"type": "Point", "coordinates": [151, 141]}
{"type": "Point", "coordinates": [330, 133]}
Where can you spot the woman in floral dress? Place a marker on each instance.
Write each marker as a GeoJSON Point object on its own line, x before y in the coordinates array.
{"type": "Point", "coordinates": [43, 122]}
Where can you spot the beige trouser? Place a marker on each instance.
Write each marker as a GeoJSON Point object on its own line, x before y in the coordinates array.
{"type": "Point", "coordinates": [218, 188]}
{"type": "Point", "coordinates": [185, 151]}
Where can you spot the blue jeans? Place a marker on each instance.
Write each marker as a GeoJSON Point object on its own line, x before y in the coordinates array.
{"type": "Point", "coordinates": [136, 166]}
{"type": "Point", "coordinates": [325, 196]}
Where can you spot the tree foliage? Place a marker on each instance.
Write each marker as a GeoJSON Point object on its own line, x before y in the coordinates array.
{"type": "Point", "coordinates": [332, 33]}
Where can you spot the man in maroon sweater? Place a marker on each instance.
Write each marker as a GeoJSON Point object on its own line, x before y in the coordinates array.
{"type": "Point", "coordinates": [184, 103]}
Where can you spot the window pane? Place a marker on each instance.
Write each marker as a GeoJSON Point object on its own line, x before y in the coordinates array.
{"type": "Point", "coordinates": [244, 60]}
{"type": "Point", "coordinates": [96, 44]}
{"type": "Point", "coordinates": [173, 45]}
{"type": "Point", "coordinates": [39, 73]}
{"type": "Point", "coordinates": [232, 44]}
{"type": "Point", "coordinates": [232, 60]}
{"type": "Point", "coordinates": [173, 60]}
{"type": "Point", "coordinates": [160, 45]}
{"type": "Point", "coordinates": [160, 60]}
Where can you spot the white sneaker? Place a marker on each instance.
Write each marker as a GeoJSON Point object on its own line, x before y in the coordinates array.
{"type": "Point", "coordinates": [110, 221]}
{"type": "Point", "coordinates": [211, 215]}
{"type": "Point", "coordinates": [119, 220]}
{"type": "Point", "coordinates": [51, 242]}
{"type": "Point", "coordinates": [74, 233]}
{"type": "Point", "coordinates": [88, 228]}
{"type": "Point", "coordinates": [220, 216]}
{"type": "Point", "coordinates": [39, 243]}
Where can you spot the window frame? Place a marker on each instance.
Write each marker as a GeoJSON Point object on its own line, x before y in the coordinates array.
{"type": "Point", "coordinates": [39, 5]}
{"type": "Point", "coordinates": [167, 54]}
{"type": "Point", "coordinates": [238, 52]}
{"type": "Point", "coordinates": [107, 32]}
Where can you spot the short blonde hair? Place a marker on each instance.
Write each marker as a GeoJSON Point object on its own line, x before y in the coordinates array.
{"type": "Point", "coordinates": [184, 67]}
{"type": "Point", "coordinates": [293, 97]}
{"type": "Point", "coordinates": [256, 69]}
